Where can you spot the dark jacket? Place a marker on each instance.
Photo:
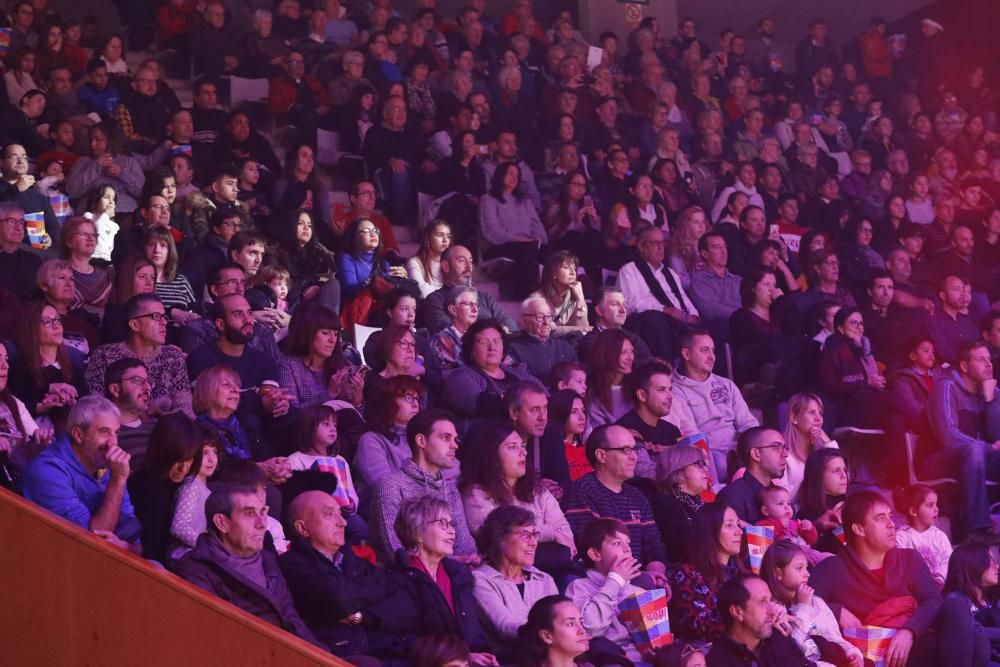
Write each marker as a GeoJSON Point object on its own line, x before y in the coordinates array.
{"type": "Point", "coordinates": [153, 500]}
{"type": "Point", "coordinates": [775, 651]}
{"type": "Point", "coordinates": [539, 356]}
{"type": "Point", "coordinates": [325, 593]}
{"type": "Point", "coordinates": [203, 568]}
{"type": "Point", "coordinates": [424, 609]}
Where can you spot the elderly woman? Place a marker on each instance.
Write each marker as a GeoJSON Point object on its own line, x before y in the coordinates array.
{"type": "Point", "coordinates": [477, 388]}
{"type": "Point", "coordinates": [437, 594]}
{"type": "Point", "coordinates": [398, 353]}
{"type": "Point", "coordinates": [57, 285]}
{"type": "Point", "coordinates": [216, 399]}
{"type": "Point", "coordinates": [499, 476]}
{"type": "Point", "coordinates": [107, 165]}
{"type": "Point", "coordinates": [20, 437]}
{"type": "Point", "coordinates": [314, 369]}
{"type": "Point", "coordinates": [462, 304]}
{"type": "Point", "coordinates": [682, 476]}
{"type": "Point", "coordinates": [507, 583]}
{"type": "Point", "coordinates": [92, 285]}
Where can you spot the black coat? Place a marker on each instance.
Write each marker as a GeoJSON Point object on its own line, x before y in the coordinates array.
{"type": "Point", "coordinates": [153, 500]}
{"type": "Point", "coordinates": [423, 607]}
{"type": "Point", "coordinates": [324, 594]}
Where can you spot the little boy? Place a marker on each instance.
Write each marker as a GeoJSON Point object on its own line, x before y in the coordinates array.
{"type": "Point", "coordinates": [776, 506]}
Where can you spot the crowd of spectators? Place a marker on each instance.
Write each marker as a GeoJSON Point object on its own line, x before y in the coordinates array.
{"type": "Point", "coordinates": [751, 288]}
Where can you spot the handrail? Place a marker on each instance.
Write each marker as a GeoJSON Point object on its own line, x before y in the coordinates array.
{"type": "Point", "coordinates": [68, 597]}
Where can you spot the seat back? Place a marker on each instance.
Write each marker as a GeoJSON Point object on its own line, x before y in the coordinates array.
{"type": "Point", "coordinates": [248, 90]}
{"type": "Point", "coordinates": [361, 336]}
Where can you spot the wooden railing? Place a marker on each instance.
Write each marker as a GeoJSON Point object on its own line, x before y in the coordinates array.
{"type": "Point", "coordinates": [69, 598]}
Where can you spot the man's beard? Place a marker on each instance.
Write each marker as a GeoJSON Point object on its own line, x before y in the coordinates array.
{"type": "Point", "coordinates": [236, 336]}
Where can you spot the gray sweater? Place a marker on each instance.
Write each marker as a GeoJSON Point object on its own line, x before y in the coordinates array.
{"type": "Point", "coordinates": [503, 221]}
{"type": "Point", "coordinates": [412, 482]}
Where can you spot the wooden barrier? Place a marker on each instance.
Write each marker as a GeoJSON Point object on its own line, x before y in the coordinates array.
{"type": "Point", "coordinates": [69, 598]}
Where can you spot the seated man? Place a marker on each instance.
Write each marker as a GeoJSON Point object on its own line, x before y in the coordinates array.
{"type": "Point", "coordinates": [229, 560]}
{"type": "Point", "coordinates": [951, 326]}
{"type": "Point", "coordinates": [223, 224]}
{"type": "Point", "coordinates": [396, 151]}
{"type": "Point", "coordinates": [19, 186]}
{"type": "Point", "coordinates": [659, 309]}
{"type": "Point", "coordinates": [142, 115]}
{"type": "Point", "coordinates": [964, 416]}
{"type": "Point", "coordinates": [603, 494]}
{"type": "Point", "coordinates": [765, 455]}
{"type": "Point", "coordinates": [751, 618]}
{"type": "Point", "coordinates": [714, 289]}
{"type": "Point", "coordinates": [147, 322]}
{"type": "Point", "coordinates": [648, 387]}
{"type": "Point", "coordinates": [611, 312]}
{"type": "Point", "coordinates": [362, 198]}
{"type": "Point", "coordinates": [456, 269]}
{"type": "Point", "coordinates": [126, 385]}
{"type": "Point", "coordinates": [713, 403]}
{"type": "Point", "coordinates": [886, 324]}
{"type": "Point", "coordinates": [333, 589]}
{"type": "Point", "coordinates": [434, 444]}
{"type": "Point", "coordinates": [535, 346]}
{"type": "Point", "coordinates": [871, 571]}
{"type": "Point", "coordinates": [18, 265]}
{"type": "Point", "coordinates": [63, 480]}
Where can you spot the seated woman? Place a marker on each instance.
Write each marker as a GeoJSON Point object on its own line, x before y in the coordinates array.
{"type": "Point", "coordinates": [425, 267]}
{"type": "Point", "coordinates": [573, 223]}
{"type": "Point", "coordinates": [635, 210]}
{"type": "Point", "coordinates": [173, 444]}
{"type": "Point", "coordinates": [507, 583]}
{"type": "Point", "coordinates": [498, 475]}
{"type": "Point", "coordinates": [824, 278]}
{"type": "Point", "coordinates": [511, 228]}
{"type": "Point", "coordinates": [712, 559]}
{"type": "Point", "coordinates": [238, 140]}
{"type": "Point", "coordinates": [563, 291]}
{"type": "Point", "coordinates": [311, 266]}
{"type": "Point", "coordinates": [437, 595]}
{"type": "Point", "coordinates": [462, 304]}
{"type": "Point", "coordinates": [216, 398]}
{"type": "Point", "coordinates": [400, 311]}
{"type": "Point", "coordinates": [857, 256]}
{"type": "Point", "coordinates": [670, 190]}
{"type": "Point", "coordinates": [21, 439]}
{"type": "Point", "coordinates": [821, 496]}
{"type": "Point", "coordinates": [553, 634]}
{"type": "Point", "coordinates": [48, 375]}
{"type": "Point", "coordinates": [364, 272]}
{"type": "Point", "coordinates": [173, 289]}
{"type": "Point", "coordinates": [300, 177]}
{"type": "Point", "coordinates": [163, 182]}
{"type": "Point", "coordinates": [967, 606]}
{"type": "Point", "coordinates": [771, 254]}
{"type": "Point", "coordinates": [611, 357]}
{"type": "Point", "coordinates": [135, 275]}
{"type": "Point", "coordinates": [107, 165]}
{"type": "Point", "coordinates": [314, 368]}
{"type": "Point", "coordinates": [384, 447]}
{"type": "Point", "coordinates": [681, 476]}
{"type": "Point", "coordinates": [565, 428]}
{"type": "Point", "coordinates": [56, 283]}
{"type": "Point", "coordinates": [461, 174]}
{"type": "Point", "coordinates": [804, 434]}
{"type": "Point", "coordinates": [785, 568]}
{"type": "Point", "coordinates": [476, 389]}
{"type": "Point", "coordinates": [397, 349]}
{"type": "Point", "coordinates": [684, 257]}
{"type": "Point", "coordinates": [849, 374]}
{"type": "Point", "coordinates": [92, 285]}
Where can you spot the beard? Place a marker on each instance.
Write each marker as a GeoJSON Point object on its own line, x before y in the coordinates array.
{"type": "Point", "coordinates": [236, 336]}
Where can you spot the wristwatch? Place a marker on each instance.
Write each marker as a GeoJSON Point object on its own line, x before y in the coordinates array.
{"type": "Point", "coordinates": [355, 618]}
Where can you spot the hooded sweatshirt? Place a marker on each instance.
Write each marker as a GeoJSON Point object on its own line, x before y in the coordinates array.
{"type": "Point", "coordinates": [716, 406]}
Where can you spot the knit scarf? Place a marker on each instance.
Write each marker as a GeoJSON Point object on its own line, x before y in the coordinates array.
{"type": "Point", "coordinates": [248, 567]}
{"type": "Point", "coordinates": [235, 439]}
{"type": "Point", "coordinates": [690, 503]}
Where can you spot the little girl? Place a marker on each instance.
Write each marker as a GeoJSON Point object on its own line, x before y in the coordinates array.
{"type": "Point", "coordinates": [786, 571]}
{"type": "Point", "coordinates": [317, 427]}
{"type": "Point", "coordinates": [776, 506]}
{"type": "Point", "coordinates": [918, 503]}
{"type": "Point", "coordinates": [189, 514]}
{"type": "Point", "coordinates": [270, 289]}
{"type": "Point", "coordinates": [100, 209]}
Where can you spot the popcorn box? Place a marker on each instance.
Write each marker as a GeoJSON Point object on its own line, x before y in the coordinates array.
{"type": "Point", "coordinates": [35, 224]}
{"type": "Point", "coordinates": [5, 34]}
{"type": "Point", "coordinates": [759, 538]}
{"type": "Point", "coordinates": [645, 616]}
{"type": "Point", "coordinates": [873, 642]}
{"type": "Point", "coordinates": [60, 206]}
{"type": "Point", "coordinates": [700, 440]}
{"type": "Point", "coordinates": [838, 532]}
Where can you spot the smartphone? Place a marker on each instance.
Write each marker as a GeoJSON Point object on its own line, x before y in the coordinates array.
{"type": "Point", "coordinates": [588, 201]}
{"type": "Point", "coordinates": [483, 149]}
{"type": "Point", "coordinates": [773, 233]}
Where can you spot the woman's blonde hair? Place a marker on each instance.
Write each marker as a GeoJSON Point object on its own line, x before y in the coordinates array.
{"type": "Point", "coordinates": [206, 384]}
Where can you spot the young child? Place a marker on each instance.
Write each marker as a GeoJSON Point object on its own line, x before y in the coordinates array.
{"type": "Point", "coordinates": [98, 95]}
{"type": "Point", "coordinates": [189, 514]}
{"type": "Point", "coordinates": [786, 571]}
{"type": "Point", "coordinates": [918, 503]}
{"type": "Point", "coordinates": [605, 546]}
{"type": "Point", "coordinates": [317, 428]}
{"type": "Point", "coordinates": [270, 288]}
{"type": "Point", "coordinates": [51, 183]}
{"type": "Point", "coordinates": [569, 375]}
{"type": "Point", "coordinates": [776, 506]}
{"type": "Point", "coordinates": [100, 207]}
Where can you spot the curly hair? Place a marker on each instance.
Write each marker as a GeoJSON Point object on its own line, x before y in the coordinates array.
{"type": "Point", "coordinates": [381, 408]}
{"type": "Point", "coordinates": [498, 524]}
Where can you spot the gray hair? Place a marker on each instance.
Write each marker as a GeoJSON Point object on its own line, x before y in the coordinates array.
{"type": "Point", "coordinates": [531, 300]}
{"type": "Point", "coordinates": [507, 72]}
{"type": "Point", "coordinates": [353, 56]}
{"type": "Point", "coordinates": [262, 14]}
{"type": "Point", "coordinates": [10, 209]}
{"type": "Point", "coordinates": [667, 85]}
{"type": "Point", "coordinates": [456, 292]}
{"type": "Point", "coordinates": [87, 409]}
{"type": "Point", "coordinates": [515, 395]}
{"type": "Point", "coordinates": [414, 516]}
{"type": "Point", "coordinates": [220, 501]}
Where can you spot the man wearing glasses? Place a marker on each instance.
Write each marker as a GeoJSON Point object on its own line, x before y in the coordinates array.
{"type": "Point", "coordinates": [126, 384]}
{"type": "Point", "coordinates": [18, 265]}
{"type": "Point", "coordinates": [765, 454]}
{"type": "Point", "coordinates": [603, 494]}
{"type": "Point", "coordinates": [534, 345]}
{"type": "Point", "coordinates": [19, 186]}
{"type": "Point", "coordinates": [147, 323]}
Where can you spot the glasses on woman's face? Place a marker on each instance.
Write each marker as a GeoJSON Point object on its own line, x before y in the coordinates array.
{"type": "Point", "coordinates": [412, 399]}
{"type": "Point", "coordinates": [445, 522]}
{"type": "Point", "coordinates": [856, 324]}
{"type": "Point", "coordinates": [368, 231]}
{"type": "Point", "coordinates": [87, 235]}
{"type": "Point", "coordinates": [407, 345]}
{"type": "Point", "coordinates": [52, 322]}
{"type": "Point", "coordinates": [527, 536]}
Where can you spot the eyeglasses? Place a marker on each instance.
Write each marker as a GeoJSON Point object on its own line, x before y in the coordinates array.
{"type": "Point", "coordinates": [156, 317]}
{"type": "Point", "coordinates": [858, 324]}
{"type": "Point", "coordinates": [489, 342]}
{"type": "Point", "coordinates": [540, 318]}
{"type": "Point", "coordinates": [627, 451]}
{"type": "Point", "coordinates": [13, 221]}
{"type": "Point", "coordinates": [368, 232]}
{"type": "Point", "coordinates": [159, 207]}
{"type": "Point", "coordinates": [445, 523]}
{"type": "Point", "coordinates": [51, 322]}
{"type": "Point", "coordinates": [137, 381]}
{"type": "Point", "coordinates": [528, 536]}
{"type": "Point", "coordinates": [361, 193]}
{"type": "Point", "coordinates": [86, 235]}
{"type": "Point", "coordinates": [232, 282]}
{"type": "Point", "coordinates": [468, 304]}
{"type": "Point", "coordinates": [412, 399]}
{"type": "Point", "coordinates": [700, 464]}
{"type": "Point", "coordinates": [407, 345]}
{"type": "Point", "coordinates": [780, 446]}
{"type": "Point", "coordinates": [231, 224]}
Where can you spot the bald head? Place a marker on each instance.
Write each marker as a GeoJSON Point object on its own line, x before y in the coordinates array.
{"type": "Point", "coordinates": [317, 517]}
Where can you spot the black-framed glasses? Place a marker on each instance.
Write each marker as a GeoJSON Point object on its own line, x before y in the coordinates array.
{"type": "Point", "coordinates": [528, 536]}
{"type": "Point", "coordinates": [51, 322]}
{"type": "Point", "coordinates": [781, 447]}
{"type": "Point", "coordinates": [627, 451]}
{"type": "Point", "coordinates": [12, 221]}
{"type": "Point", "coordinates": [137, 381]}
{"type": "Point", "coordinates": [156, 317]}
{"type": "Point", "coordinates": [444, 522]}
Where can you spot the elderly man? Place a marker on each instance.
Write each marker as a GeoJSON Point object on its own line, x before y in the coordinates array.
{"type": "Point", "coordinates": [341, 88]}
{"type": "Point", "coordinates": [64, 478]}
{"type": "Point", "coordinates": [462, 305]}
{"type": "Point", "coordinates": [603, 494]}
{"type": "Point", "coordinates": [229, 560]}
{"type": "Point", "coordinates": [534, 346]}
{"type": "Point", "coordinates": [142, 115]}
{"type": "Point", "coordinates": [659, 309]}
{"type": "Point", "coordinates": [147, 323]}
{"type": "Point", "coordinates": [18, 265]}
{"type": "Point", "coordinates": [611, 311]}
{"type": "Point", "coordinates": [396, 150]}
{"type": "Point", "coordinates": [334, 590]}
{"type": "Point", "coordinates": [214, 46]}
{"type": "Point", "coordinates": [297, 98]}
{"type": "Point", "coordinates": [456, 269]}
